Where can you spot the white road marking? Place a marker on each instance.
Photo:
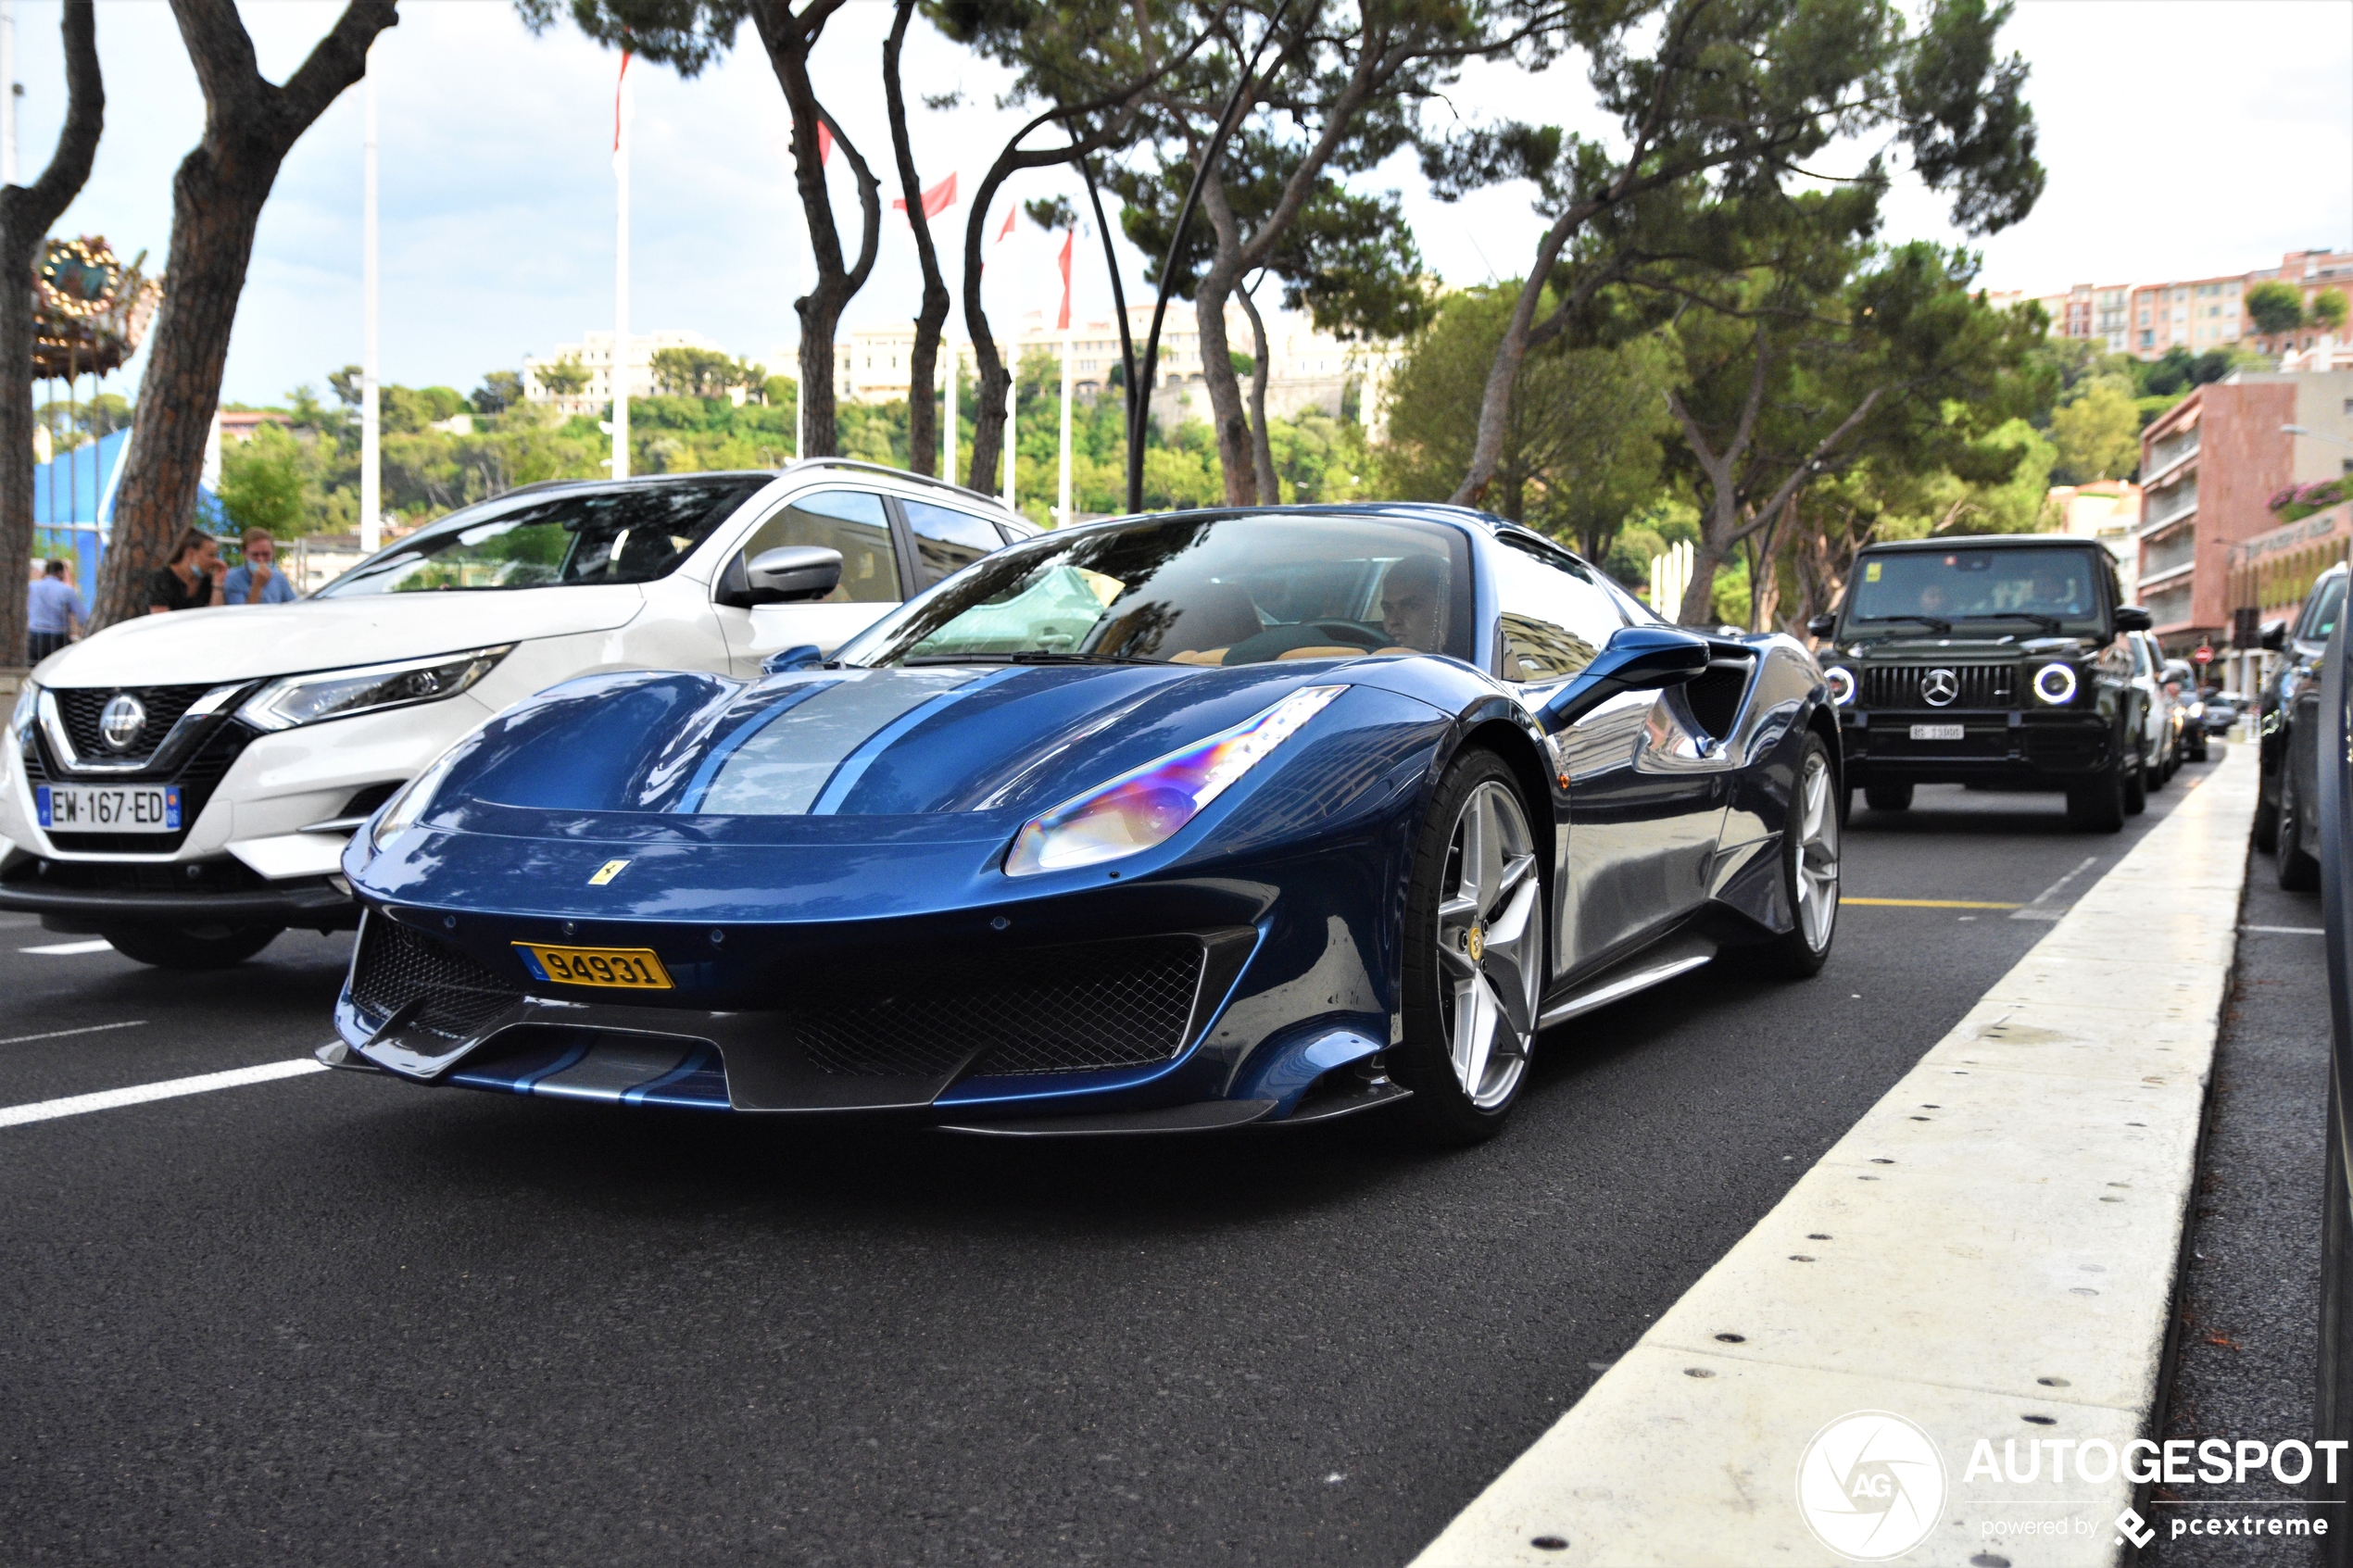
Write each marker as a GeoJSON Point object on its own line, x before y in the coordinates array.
{"type": "Point", "coordinates": [61, 949]}
{"type": "Point", "coordinates": [140, 1094]}
{"type": "Point", "coordinates": [2041, 908]}
{"type": "Point", "coordinates": [2287, 930]}
{"type": "Point", "coordinates": [62, 1034]}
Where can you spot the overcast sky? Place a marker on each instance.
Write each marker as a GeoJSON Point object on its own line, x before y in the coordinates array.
{"type": "Point", "coordinates": [2171, 153]}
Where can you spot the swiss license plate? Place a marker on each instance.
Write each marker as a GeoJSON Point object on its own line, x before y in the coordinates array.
{"type": "Point", "coordinates": [634, 969]}
{"type": "Point", "coordinates": [1938, 732]}
{"type": "Point", "coordinates": [108, 808]}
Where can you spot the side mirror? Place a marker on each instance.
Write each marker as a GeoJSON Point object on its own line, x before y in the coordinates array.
{"type": "Point", "coordinates": [2132, 618]}
{"type": "Point", "coordinates": [2275, 635]}
{"type": "Point", "coordinates": [780, 576]}
{"type": "Point", "coordinates": [806, 655]}
{"type": "Point", "coordinates": [1635, 659]}
{"type": "Point", "coordinates": [1821, 625]}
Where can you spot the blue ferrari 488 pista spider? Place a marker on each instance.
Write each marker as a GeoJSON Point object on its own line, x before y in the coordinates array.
{"type": "Point", "coordinates": [1165, 822]}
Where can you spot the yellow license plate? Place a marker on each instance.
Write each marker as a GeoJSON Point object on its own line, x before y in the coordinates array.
{"type": "Point", "coordinates": [631, 968]}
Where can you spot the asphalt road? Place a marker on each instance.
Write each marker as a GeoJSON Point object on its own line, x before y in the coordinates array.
{"type": "Point", "coordinates": [334, 1318]}
{"type": "Point", "coordinates": [2248, 1340]}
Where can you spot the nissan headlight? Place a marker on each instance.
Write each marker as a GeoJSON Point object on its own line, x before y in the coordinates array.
{"type": "Point", "coordinates": [339, 693]}
{"type": "Point", "coordinates": [415, 797]}
{"type": "Point", "coordinates": [2055, 683]}
{"type": "Point", "coordinates": [1840, 681]}
{"type": "Point", "coordinates": [28, 704]}
{"type": "Point", "coordinates": [1145, 808]}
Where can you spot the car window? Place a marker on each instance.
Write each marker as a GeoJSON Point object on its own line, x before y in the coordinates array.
{"type": "Point", "coordinates": [946, 539]}
{"type": "Point", "coordinates": [849, 520]}
{"type": "Point", "coordinates": [626, 534]}
{"type": "Point", "coordinates": [1555, 615]}
{"type": "Point", "coordinates": [2321, 610]}
{"type": "Point", "coordinates": [1981, 584]}
{"type": "Point", "coordinates": [1233, 589]}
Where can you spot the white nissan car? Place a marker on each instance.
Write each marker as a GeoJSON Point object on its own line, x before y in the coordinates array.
{"type": "Point", "coordinates": [184, 784]}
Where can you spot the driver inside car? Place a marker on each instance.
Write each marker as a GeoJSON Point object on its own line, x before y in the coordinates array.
{"type": "Point", "coordinates": [1412, 596]}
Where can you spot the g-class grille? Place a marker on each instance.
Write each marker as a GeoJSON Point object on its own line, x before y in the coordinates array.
{"type": "Point", "coordinates": [1977, 686]}
{"type": "Point", "coordinates": [80, 707]}
{"type": "Point", "coordinates": [1075, 1009]}
{"type": "Point", "coordinates": [397, 965]}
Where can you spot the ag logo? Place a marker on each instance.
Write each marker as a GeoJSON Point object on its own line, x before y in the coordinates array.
{"type": "Point", "coordinates": [1939, 687]}
{"type": "Point", "coordinates": [1871, 1486]}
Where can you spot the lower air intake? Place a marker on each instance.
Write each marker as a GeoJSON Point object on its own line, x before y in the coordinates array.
{"type": "Point", "coordinates": [1070, 1010]}
{"type": "Point", "coordinates": [398, 965]}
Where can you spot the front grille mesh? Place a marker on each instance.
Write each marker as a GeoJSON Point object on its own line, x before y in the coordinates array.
{"type": "Point", "coordinates": [1983, 685]}
{"type": "Point", "coordinates": [80, 707]}
{"type": "Point", "coordinates": [1075, 1009]}
{"type": "Point", "coordinates": [397, 965]}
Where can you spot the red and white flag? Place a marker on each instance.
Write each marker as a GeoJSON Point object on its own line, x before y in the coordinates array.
{"type": "Point", "coordinates": [936, 200]}
{"type": "Point", "coordinates": [1007, 232]}
{"type": "Point", "coordinates": [1070, 238]}
{"type": "Point", "coordinates": [625, 106]}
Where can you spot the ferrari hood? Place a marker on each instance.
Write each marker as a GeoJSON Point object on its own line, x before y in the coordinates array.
{"type": "Point", "coordinates": [970, 740]}
{"type": "Point", "coordinates": [241, 641]}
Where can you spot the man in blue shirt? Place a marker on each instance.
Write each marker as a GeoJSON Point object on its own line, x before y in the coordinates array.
{"type": "Point", "coordinates": [258, 581]}
{"type": "Point", "coordinates": [56, 611]}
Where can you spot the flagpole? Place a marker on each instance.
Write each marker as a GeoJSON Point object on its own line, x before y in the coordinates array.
{"type": "Point", "coordinates": [371, 401]}
{"type": "Point", "coordinates": [947, 423]}
{"type": "Point", "coordinates": [620, 378]}
{"type": "Point", "coordinates": [1064, 511]}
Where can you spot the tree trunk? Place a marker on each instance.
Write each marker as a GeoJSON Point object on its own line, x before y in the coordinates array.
{"type": "Point", "coordinates": [1262, 450]}
{"type": "Point", "coordinates": [217, 198]}
{"type": "Point", "coordinates": [1215, 287]}
{"type": "Point", "coordinates": [26, 213]}
{"type": "Point", "coordinates": [789, 41]}
{"type": "Point", "coordinates": [922, 413]}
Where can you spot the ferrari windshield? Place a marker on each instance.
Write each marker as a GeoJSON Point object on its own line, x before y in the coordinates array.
{"type": "Point", "coordinates": [1942, 588]}
{"type": "Point", "coordinates": [623, 535]}
{"type": "Point", "coordinates": [1229, 590]}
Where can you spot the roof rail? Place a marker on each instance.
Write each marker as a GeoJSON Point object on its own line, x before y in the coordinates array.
{"type": "Point", "coordinates": [858, 463]}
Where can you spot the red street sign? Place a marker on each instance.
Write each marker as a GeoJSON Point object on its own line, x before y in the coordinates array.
{"type": "Point", "coordinates": [2202, 655]}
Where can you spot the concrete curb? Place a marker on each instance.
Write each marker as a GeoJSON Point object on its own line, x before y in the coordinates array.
{"type": "Point", "coordinates": [1989, 1253]}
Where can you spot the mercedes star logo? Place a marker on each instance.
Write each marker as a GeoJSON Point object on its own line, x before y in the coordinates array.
{"type": "Point", "coordinates": [121, 721]}
{"type": "Point", "coordinates": [1939, 687]}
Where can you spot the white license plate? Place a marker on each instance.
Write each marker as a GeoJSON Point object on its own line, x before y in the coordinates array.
{"type": "Point", "coordinates": [1938, 732]}
{"type": "Point", "coordinates": [109, 807]}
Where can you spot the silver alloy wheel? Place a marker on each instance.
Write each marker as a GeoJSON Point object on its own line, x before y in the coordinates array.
{"type": "Point", "coordinates": [1491, 944]}
{"type": "Point", "coordinates": [1817, 852]}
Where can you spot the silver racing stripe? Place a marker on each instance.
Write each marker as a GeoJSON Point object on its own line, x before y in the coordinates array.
{"type": "Point", "coordinates": [781, 771]}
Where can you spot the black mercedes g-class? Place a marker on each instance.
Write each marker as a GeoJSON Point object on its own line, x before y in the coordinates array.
{"type": "Point", "coordinates": [1995, 660]}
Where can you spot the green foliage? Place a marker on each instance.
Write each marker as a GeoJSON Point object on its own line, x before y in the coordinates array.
{"type": "Point", "coordinates": [2275, 307]}
{"type": "Point", "coordinates": [264, 483]}
{"type": "Point", "coordinates": [566, 378]}
{"type": "Point", "coordinates": [499, 390]}
{"type": "Point", "coordinates": [72, 421]}
{"type": "Point", "coordinates": [703, 372]}
{"type": "Point", "coordinates": [2328, 309]}
{"type": "Point", "coordinates": [1580, 450]}
{"type": "Point", "coordinates": [2099, 434]}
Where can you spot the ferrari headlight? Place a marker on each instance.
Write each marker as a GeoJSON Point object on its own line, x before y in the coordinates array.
{"type": "Point", "coordinates": [1141, 809]}
{"type": "Point", "coordinates": [2055, 683]}
{"type": "Point", "coordinates": [28, 704]}
{"type": "Point", "coordinates": [403, 810]}
{"type": "Point", "coordinates": [1840, 681]}
{"type": "Point", "coordinates": [339, 693]}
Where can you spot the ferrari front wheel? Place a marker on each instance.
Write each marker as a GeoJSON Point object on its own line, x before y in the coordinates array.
{"type": "Point", "coordinates": [1475, 954]}
{"type": "Point", "coordinates": [1809, 873]}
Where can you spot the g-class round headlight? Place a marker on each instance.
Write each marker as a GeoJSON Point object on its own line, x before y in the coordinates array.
{"type": "Point", "coordinates": [1840, 681]}
{"type": "Point", "coordinates": [2055, 683]}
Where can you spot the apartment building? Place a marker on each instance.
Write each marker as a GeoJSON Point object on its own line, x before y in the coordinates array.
{"type": "Point", "coordinates": [2108, 510]}
{"type": "Point", "coordinates": [593, 354]}
{"type": "Point", "coordinates": [2198, 314]}
{"type": "Point", "coordinates": [2149, 321]}
{"type": "Point", "coordinates": [2210, 467]}
{"type": "Point", "coordinates": [2308, 272]}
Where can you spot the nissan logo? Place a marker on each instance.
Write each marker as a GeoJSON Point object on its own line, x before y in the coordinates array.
{"type": "Point", "coordinates": [1939, 687]}
{"type": "Point", "coordinates": [121, 721]}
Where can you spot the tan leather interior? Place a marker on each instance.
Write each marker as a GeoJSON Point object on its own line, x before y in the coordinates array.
{"type": "Point", "coordinates": [1331, 651]}
{"type": "Point", "coordinates": [1198, 656]}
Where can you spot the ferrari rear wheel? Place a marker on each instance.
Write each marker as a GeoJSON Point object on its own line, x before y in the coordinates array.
{"type": "Point", "coordinates": [1809, 874]}
{"type": "Point", "coordinates": [1475, 954]}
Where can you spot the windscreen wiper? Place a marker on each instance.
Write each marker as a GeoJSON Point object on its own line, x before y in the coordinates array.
{"type": "Point", "coordinates": [1933, 623]}
{"type": "Point", "coordinates": [1029, 655]}
{"type": "Point", "coordinates": [2050, 623]}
